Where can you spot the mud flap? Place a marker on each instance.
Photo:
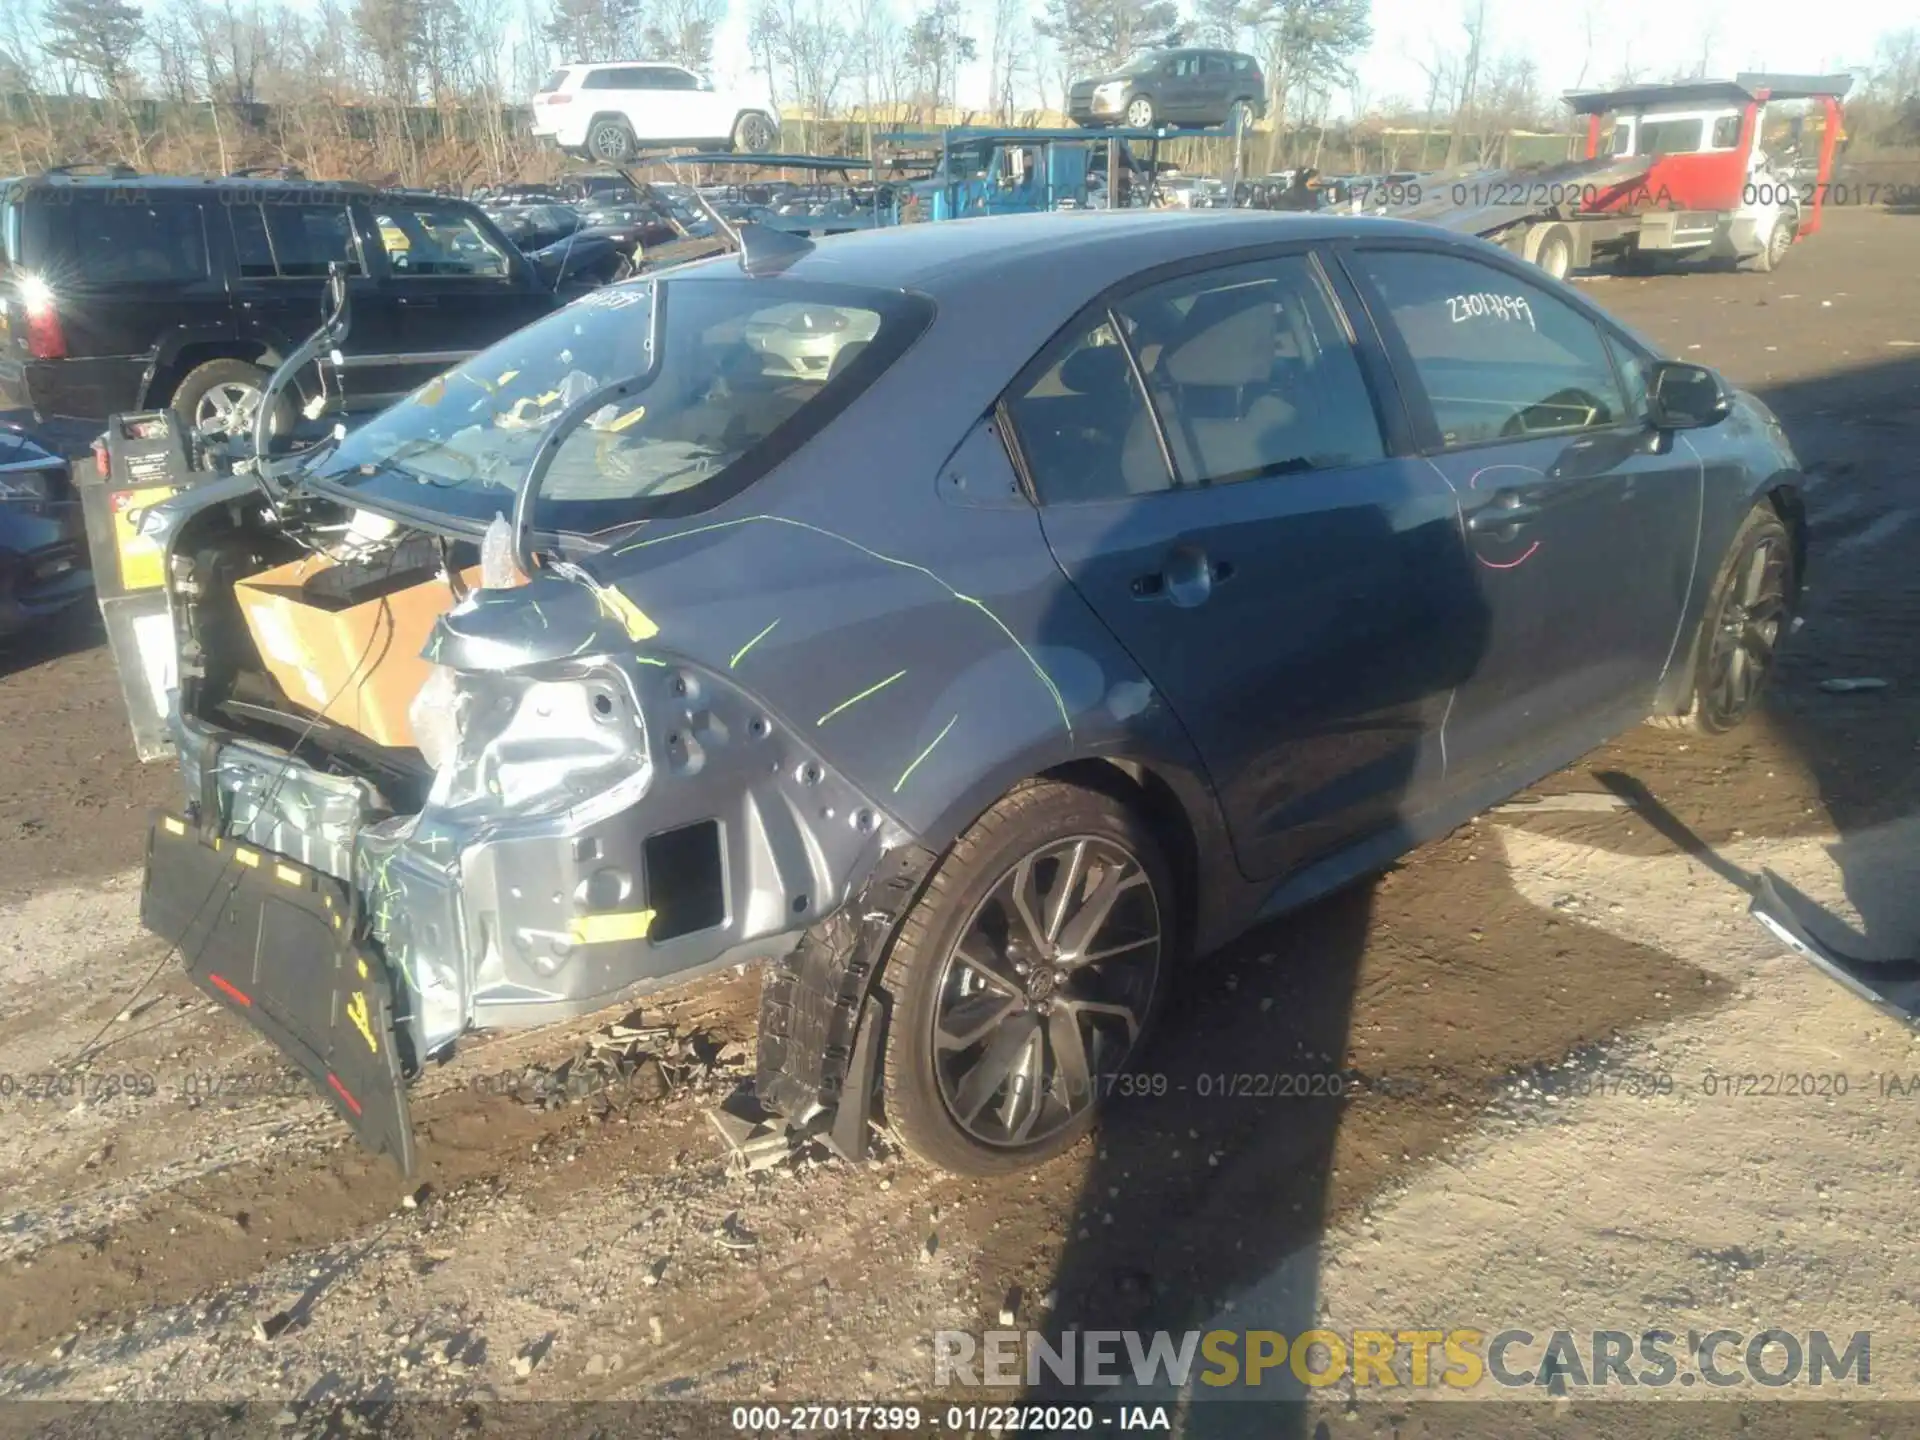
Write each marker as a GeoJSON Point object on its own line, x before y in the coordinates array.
{"type": "Point", "coordinates": [814, 1013]}
{"type": "Point", "coordinates": [273, 941]}
{"type": "Point", "coordinates": [1892, 985]}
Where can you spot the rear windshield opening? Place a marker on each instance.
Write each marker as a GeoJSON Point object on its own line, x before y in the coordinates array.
{"type": "Point", "coordinates": [748, 370]}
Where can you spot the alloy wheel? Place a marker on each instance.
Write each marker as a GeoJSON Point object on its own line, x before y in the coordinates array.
{"type": "Point", "coordinates": [228, 409]}
{"type": "Point", "coordinates": [1751, 619]}
{"type": "Point", "coordinates": [756, 134]}
{"type": "Point", "coordinates": [1140, 114]}
{"type": "Point", "coordinates": [1040, 1002]}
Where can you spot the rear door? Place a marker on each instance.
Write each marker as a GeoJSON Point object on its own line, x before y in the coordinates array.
{"type": "Point", "coordinates": [1294, 587]}
{"type": "Point", "coordinates": [132, 270]}
{"type": "Point", "coordinates": [1582, 522]}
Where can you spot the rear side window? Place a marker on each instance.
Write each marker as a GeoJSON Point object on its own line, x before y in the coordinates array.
{"type": "Point", "coordinates": [1499, 358]}
{"type": "Point", "coordinates": [1243, 64]}
{"type": "Point", "coordinates": [603, 80]}
{"type": "Point", "coordinates": [1249, 373]}
{"type": "Point", "coordinates": [1215, 64]}
{"type": "Point", "coordinates": [674, 80]}
{"type": "Point", "coordinates": [553, 82]}
{"type": "Point", "coordinates": [127, 240]}
{"type": "Point", "coordinates": [437, 240]}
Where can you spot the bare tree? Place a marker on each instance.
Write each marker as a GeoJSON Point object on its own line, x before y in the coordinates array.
{"type": "Point", "coordinates": [1100, 34]}
{"type": "Point", "coordinates": [1476, 27]}
{"type": "Point", "coordinates": [1310, 45]}
{"type": "Point", "coordinates": [592, 30]}
{"type": "Point", "coordinates": [802, 43]}
{"type": "Point", "coordinates": [936, 48]}
{"type": "Point", "coordinates": [682, 31]}
{"type": "Point", "coordinates": [1219, 22]}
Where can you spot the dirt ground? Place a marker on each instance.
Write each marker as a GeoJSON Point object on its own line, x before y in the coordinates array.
{"type": "Point", "coordinates": [1502, 995]}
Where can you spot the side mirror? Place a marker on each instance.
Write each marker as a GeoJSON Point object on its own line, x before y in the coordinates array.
{"type": "Point", "coordinates": [1685, 397]}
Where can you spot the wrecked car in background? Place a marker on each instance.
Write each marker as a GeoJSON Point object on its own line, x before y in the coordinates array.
{"type": "Point", "coordinates": [971, 665]}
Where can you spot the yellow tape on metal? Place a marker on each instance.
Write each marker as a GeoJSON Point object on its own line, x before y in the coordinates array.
{"type": "Point", "coordinates": [600, 929]}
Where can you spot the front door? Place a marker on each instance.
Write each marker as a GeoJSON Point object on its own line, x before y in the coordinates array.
{"type": "Point", "coordinates": [1297, 594]}
{"type": "Point", "coordinates": [452, 287]}
{"type": "Point", "coordinates": [1582, 522]}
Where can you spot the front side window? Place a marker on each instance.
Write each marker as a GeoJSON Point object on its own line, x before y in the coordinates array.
{"type": "Point", "coordinates": [747, 369]}
{"type": "Point", "coordinates": [1726, 132]}
{"type": "Point", "coordinates": [129, 240]}
{"type": "Point", "coordinates": [1249, 374]}
{"type": "Point", "coordinates": [1498, 357]}
{"type": "Point", "coordinates": [437, 240]}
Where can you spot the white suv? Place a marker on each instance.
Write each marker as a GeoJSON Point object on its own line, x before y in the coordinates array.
{"type": "Point", "coordinates": [610, 112]}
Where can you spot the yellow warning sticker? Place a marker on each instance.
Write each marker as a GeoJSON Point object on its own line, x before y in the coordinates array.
{"type": "Point", "coordinates": [140, 558]}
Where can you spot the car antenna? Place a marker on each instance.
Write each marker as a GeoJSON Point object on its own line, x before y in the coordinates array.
{"type": "Point", "coordinates": [767, 251]}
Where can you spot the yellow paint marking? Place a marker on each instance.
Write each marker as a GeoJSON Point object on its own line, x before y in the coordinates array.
{"type": "Point", "coordinates": [290, 875]}
{"type": "Point", "coordinates": [174, 827]}
{"type": "Point", "coordinates": [357, 1013]}
{"type": "Point", "coordinates": [249, 858]}
{"type": "Point", "coordinates": [601, 929]}
{"type": "Point", "coordinates": [924, 753]}
{"type": "Point", "coordinates": [621, 422]}
{"type": "Point", "coordinates": [741, 653]}
{"type": "Point", "coordinates": [363, 967]}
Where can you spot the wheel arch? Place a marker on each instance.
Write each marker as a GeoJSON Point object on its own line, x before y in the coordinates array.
{"type": "Point", "coordinates": [185, 351]}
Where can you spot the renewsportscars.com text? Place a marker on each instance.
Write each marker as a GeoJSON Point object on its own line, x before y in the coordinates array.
{"type": "Point", "coordinates": [1456, 1359]}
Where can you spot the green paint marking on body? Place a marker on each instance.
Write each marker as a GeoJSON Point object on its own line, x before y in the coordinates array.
{"type": "Point", "coordinates": [1059, 700]}
{"type": "Point", "coordinates": [741, 653]}
{"type": "Point", "coordinates": [924, 753]}
{"type": "Point", "coordinates": [856, 699]}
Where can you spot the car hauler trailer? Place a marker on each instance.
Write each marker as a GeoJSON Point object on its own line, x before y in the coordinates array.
{"type": "Point", "coordinates": [1686, 174]}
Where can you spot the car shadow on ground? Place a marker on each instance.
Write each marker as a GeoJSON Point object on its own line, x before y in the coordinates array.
{"type": "Point", "coordinates": [72, 630]}
{"type": "Point", "coordinates": [1298, 1074]}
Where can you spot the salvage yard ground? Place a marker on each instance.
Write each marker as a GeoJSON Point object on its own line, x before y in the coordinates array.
{"type": "Point", "coordinates": [1544, 1007]}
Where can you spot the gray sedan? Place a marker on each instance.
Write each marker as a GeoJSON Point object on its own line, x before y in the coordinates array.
{"type": "Point", "coordinates": [973, 621]}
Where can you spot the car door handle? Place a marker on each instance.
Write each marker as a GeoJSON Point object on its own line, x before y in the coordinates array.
{"type": "Point", "coordinates": [1188, 579]}
{"type": "Point", "coordinates": [1502, 515]}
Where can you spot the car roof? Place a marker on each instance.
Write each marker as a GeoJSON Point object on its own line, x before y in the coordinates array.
{"type": "Point", "coordinates": [256, 186]}
{"type": "Point", "coordinates": [1096, 248]}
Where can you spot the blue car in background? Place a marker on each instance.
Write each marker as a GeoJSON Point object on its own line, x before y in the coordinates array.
{"type": "Point", "coordinates": [43, 547]}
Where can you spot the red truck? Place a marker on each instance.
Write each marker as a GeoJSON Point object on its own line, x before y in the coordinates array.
{"type": "Point", "coordinates": [1683, 172]}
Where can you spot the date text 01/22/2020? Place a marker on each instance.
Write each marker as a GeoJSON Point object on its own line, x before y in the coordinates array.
{"type": "Point", "coordinates": [948, 1419]}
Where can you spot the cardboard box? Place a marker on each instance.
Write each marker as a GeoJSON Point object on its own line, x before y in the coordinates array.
{"type": "Point", "coordinates": [357, 664]}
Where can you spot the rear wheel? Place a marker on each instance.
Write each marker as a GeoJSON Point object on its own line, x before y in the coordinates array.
{"type": "Point", "coordinates": [1779, 241]}
{"type": "Point", "coordinates": [610, 141]}
{"type": "Point", "coordinates": [222, 398]}
{"type": "Point", "coordinates": [1024, 979]}
{"type": "Point", "coordinates": [1140, 113]}
{"type": "Point", "coordinates": [753, 134]}
{"type": "Point", "coordinates": [1749, 612]}
{"type": "Point", "coordinates": [1555, 253]}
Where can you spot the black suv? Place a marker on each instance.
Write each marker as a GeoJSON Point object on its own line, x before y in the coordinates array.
{"type": "Point", "coordinates": [125, 292]}
{"type": "Point", "coordinates": [1173, 87]}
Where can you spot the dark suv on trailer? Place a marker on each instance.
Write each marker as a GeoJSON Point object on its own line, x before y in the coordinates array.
{"type": "Point", "coordinates": [1173, 87]}
{"type": "Point", "coordinates": [130, 292]}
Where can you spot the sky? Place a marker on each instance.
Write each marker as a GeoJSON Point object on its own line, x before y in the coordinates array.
{"type": "Point", "coordinates": [1655, 35]}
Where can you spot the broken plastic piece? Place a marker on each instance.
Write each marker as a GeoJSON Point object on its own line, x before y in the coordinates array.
{"type": "Point", "coordinates": [498, 569]}
{"type": "Point", "coordinates": [1891, 985]}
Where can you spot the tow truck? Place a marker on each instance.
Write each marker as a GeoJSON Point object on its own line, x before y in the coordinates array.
{"type": "Point", "coordinates": [1685, 175]}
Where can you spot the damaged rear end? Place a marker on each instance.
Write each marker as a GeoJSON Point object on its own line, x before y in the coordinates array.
{"type": "Point", "coordinates": [440, 773]}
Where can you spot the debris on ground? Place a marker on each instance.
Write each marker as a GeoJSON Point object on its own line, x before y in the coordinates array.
{"type": "Point", "coordinates": [734, 1235]}
{"type": "Point", "coordinates": [1576, 802]}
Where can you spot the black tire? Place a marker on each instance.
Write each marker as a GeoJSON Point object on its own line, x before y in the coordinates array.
{"type": "Point", "coordinates": [196, 398]}
{"type": "Point", "coordinates": [1554, 254]}
{"type": "Point", "coordinates": [1748, 614]}
{"type": "Point", "coordinates": [754, 134]}
{"type": "Point", "coordinates": [1140, 114]}
{"type": "Point", "coordinates": [610, 141]}
{"type": "Point", "coordinates": [927, 1084]}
